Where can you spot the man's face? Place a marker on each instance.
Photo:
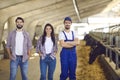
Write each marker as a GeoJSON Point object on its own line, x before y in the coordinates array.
{"type": "Point", "coordinates": [19, 24]}
{"type": "Point", "coordinates": [67, 24]}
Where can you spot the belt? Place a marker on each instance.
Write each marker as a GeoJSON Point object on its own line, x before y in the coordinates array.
{"type": "Point", "coordinates": [19, 55]}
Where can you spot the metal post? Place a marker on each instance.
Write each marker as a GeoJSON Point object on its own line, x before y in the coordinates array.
{"type": "Point", "coordinates": [106, 52]}
{"type": "Point", "coordinates": [117, 62]}
{"type": "Point", "coordinates": [110, 55]}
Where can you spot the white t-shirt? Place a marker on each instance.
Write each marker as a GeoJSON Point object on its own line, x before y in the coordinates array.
{"type": "Point", "coordinates": [19, 43]}
{"type": "Point", "coordinates": [48, 45]}
{"type": "Point", "coordinates": [69, 35]}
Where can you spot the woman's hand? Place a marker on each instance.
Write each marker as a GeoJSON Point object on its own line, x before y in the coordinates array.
{"type": "Point", "coordinates": [40, 54]}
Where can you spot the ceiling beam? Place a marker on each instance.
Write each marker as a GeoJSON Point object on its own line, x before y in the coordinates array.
{"type": "Point", "coordinates": [8, 3]}
{"type": "Point", "coordinates": [76, 9]}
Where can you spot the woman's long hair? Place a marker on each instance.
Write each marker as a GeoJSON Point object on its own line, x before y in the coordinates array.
{"type": "Point", "coordinates": [52, 34]}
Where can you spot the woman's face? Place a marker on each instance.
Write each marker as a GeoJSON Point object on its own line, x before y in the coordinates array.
{"type": "Point", "coordinates": [48, 30]}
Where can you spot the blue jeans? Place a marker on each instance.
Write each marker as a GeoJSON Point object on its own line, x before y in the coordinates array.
{"type": "Point", "coordinates": [49, 63]}
{"type": "Point", "coordinates": [14, 67]}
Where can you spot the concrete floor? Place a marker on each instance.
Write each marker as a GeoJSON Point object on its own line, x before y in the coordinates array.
{"type": "Point", "coordinates": [84, 70]}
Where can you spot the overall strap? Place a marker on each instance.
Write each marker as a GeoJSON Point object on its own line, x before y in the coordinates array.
{"type": "Point", "coordinates": [72, 35]}
{"type": "Point", "coordinates": [65, 35]}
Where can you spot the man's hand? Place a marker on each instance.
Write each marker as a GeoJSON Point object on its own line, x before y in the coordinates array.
{"type": "Point", "coordinates": [10, 57]}
{"type": "Point", "coordinates": [29, 55]}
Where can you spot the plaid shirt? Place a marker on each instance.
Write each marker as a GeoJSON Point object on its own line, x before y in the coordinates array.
{"type": "Point", "coordinates": [42, 49]}
{"type": "Point", "coordinates": [27, 45]}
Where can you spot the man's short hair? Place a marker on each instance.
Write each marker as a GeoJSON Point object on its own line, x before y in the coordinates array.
{"type": "Point", "coordinates": [19, 18]}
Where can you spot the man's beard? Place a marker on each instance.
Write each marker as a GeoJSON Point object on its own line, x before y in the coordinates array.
{"type": "Point", "coordinates": [19, 26]}
{"type": "Point", "coordinates": [66, 27]}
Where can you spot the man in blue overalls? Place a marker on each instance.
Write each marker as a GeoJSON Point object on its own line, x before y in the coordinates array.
{"type": "Point", "coordinates": [68, 40]}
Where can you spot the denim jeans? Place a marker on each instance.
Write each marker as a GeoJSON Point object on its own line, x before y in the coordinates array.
{"type": "Point", "coordinates": [47, 63]}
{"type": "Point", "coordinates": [14, 67]}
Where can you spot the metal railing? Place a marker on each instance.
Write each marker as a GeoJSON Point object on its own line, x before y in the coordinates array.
{"type": "Point", "coordinates": [110, 40]}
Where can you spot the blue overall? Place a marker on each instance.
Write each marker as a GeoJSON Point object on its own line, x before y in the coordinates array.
{"type": "Point", "coordinates": [68, 61]}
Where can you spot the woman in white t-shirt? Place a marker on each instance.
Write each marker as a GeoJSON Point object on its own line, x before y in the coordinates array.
{"type": "Point", "coordinates": [47, 49]}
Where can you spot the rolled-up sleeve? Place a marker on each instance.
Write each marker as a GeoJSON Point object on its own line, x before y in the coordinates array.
{"type": "Point", "coordinates": [8, 45]}
{"type": "Point", "coordinates": [29, 45]}
{"type": "Point", "coordinates": [56, 46]}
